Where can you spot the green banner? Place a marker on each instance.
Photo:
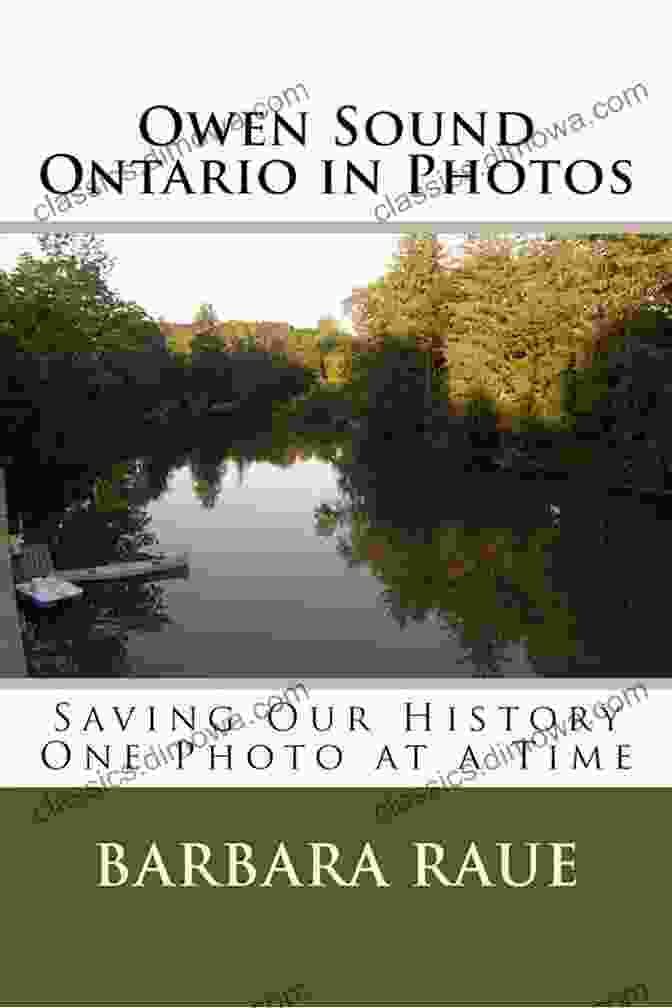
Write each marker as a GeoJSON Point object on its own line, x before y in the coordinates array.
{"type": "Point", "coordinates": [500, 896]}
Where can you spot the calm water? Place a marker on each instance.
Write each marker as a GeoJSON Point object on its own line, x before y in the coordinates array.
{"type": "Point", "coordinates": [266, 593]}
{"type": "Point", "coordinates": [318, 562]}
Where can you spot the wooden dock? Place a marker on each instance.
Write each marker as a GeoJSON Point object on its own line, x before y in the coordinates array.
{"type": "Point", "coordinates": [12, 658]}
{"type": "Point", "coordinates": [173, 564]}
{"type": "Point", "coordinates": [35, 561]}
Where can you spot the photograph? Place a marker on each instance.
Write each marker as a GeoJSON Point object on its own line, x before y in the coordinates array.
{"type": "Point", "coordinates": [364, 455]}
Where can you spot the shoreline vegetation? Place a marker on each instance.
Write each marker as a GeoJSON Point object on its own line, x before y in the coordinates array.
{"type": "Point", "coordinates": [554, 362]}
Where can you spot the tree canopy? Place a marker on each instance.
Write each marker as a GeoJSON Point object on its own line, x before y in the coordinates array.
{"type": "Point", "coordinates": [205, 313]}
{"type": "Point", "coordinates": [89, 253]}
{"type": "Point", "coordinates": [54, 305]}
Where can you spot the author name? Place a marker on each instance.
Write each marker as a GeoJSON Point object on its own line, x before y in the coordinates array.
{"type": "Point", "coordinates": [234, 864]}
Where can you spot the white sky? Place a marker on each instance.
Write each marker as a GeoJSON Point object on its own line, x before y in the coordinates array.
{"type": "Point", "coordinates": [78, 83]}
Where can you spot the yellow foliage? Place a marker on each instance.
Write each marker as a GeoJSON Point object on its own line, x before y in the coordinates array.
{"type": "Point", "coordinates": [338, 366]}
{"type": "Point", "coordinates": [513, 324]}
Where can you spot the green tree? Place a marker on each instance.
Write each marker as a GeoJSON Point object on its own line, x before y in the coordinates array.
{"type": "Point", "coordinates": [53, 305]}
{"type": "Point", "coordinates": [89, 253]}
{"type": "Point", "coordinates": [207, 341]}
{"type": "Point", "coordinates": [205, 313]}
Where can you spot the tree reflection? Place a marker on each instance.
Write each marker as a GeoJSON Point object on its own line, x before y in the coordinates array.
{"type": "Point", "coordinates": [206, 481]}
{"type": "Point", "coordinates": [90, 635]}
{"type": "Point", "coordinates": [482, 574]}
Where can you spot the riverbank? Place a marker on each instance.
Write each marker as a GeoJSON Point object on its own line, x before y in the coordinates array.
{"type": "Point", "coordinates": [12, 659]}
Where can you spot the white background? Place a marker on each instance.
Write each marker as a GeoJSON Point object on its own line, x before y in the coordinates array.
{"type": "Point", "coordinates": [28, 721]}
{"type": "Point", "coordinates": [77, 80]}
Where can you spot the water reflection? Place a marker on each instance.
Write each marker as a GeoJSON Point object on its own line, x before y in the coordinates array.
{"type": "Point", "coordinates": [315, 552]}
{"type": "Point", "coordinates": [481, 575]}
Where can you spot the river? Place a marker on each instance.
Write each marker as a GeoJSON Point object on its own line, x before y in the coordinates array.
{"type": "Point", "coordinates": [307, 560]}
